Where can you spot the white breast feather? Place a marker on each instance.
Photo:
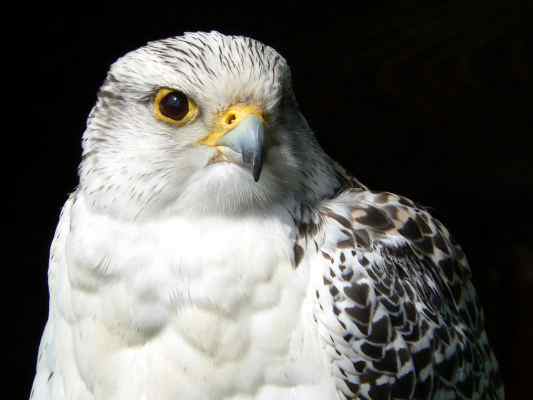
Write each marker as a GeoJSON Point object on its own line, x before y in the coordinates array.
{"type": "Point", "coordinates": [179, 309]}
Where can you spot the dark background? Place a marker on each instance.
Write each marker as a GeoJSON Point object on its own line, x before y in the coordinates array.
{"type": "Point", "coordinates": [428, 100]}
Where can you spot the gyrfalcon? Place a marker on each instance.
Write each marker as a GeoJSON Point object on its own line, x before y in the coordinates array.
{"type": "Point", "coordinates": [212, 250]}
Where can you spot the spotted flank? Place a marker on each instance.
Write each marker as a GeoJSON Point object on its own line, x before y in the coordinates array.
{"type": "Point", "coordinates": [395, 309]}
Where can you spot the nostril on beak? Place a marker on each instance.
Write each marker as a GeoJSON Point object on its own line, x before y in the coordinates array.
{"type": "Point", "coordinates": [230, 118]}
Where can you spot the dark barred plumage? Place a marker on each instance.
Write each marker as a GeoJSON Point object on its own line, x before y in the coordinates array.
{"type": "Point", "coordinates": [397, 311]}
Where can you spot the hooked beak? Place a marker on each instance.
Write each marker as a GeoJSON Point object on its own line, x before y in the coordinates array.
{"type": "Point", "coordinates": [241, 129]}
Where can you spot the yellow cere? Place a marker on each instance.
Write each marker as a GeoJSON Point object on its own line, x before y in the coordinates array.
{"type": "Point", "coordinates": [188, 118]}
{"type": "Point", "coordinates": [230, 119]}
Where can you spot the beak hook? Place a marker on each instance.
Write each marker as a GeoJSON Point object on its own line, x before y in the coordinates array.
{"type": "Point", "coordinates": [248, 139]}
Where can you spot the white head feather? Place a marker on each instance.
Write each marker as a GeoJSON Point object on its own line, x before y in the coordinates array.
{"type": "Point", "coordinates": [136, 167]}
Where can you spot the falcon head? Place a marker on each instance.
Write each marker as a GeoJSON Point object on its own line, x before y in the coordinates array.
{"type": "Point", "coordinates": [205, 123]}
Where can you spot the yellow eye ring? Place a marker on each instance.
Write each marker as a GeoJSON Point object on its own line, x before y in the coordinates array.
{"type": "Point", "coordinates": [174, 107]}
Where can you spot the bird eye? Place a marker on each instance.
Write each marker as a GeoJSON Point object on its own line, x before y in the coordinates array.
{"type": "Point", "coordinates": [174, 107]}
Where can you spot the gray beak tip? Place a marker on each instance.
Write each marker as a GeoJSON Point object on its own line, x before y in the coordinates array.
{"type": "Point", "coordinates": [256, 169]}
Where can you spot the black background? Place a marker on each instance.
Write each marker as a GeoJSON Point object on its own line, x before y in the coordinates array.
{"type": "Point", "coordinates": [428, 100]}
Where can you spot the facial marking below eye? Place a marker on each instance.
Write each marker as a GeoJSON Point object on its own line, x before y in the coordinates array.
{"type": "Point", "coordinates": [174, 107]}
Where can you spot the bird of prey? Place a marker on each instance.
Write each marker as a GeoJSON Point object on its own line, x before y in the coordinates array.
{"type": "Point", "coordinates": [212, 250]}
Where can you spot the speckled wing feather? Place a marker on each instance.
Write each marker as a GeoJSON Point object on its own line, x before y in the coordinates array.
{"type": "Point", "coordinates": [395, 307]}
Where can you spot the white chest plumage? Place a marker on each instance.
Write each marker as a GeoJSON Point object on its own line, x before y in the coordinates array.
{"type": "Point", "coordinates": [190, 308]}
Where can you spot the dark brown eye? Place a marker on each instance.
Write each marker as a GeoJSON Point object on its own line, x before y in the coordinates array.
{"type": "Point", "coordinates": [174, 107]}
